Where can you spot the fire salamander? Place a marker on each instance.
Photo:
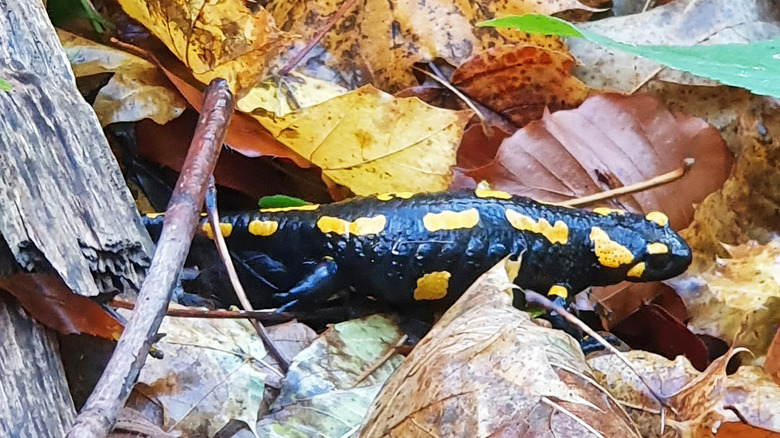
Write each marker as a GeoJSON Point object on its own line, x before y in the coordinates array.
{"type": "Point", "coordinates": [403, 248]}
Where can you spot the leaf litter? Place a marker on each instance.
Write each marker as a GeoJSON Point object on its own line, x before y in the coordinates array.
{"type": "Point", "coordinates": [733, 215]}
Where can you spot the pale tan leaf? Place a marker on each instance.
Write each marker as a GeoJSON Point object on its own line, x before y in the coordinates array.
{"type": "Point", "coordinates": [486, 369]}
{"type": "Point", "coordinates": [138, 90]}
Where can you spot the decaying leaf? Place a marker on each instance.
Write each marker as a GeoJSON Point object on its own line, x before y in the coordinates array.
{"type": "Point", "coordinates": [682, 22]}
{"type": "Point", "coordinates": [608, 142]}
{"type": "Point", "coordinates": [322, 391]}
{"type": "Point", "coordinates": [213, 370]}
{"type": "Point", "coordinates": [520, 81]}
{"type": "Point", "coordinates": [136, 91]}
{"type": "Point", "coordinates": [224, 39]}
{"type": "Point", "coordinates": [743, 289]}
{"type": "Point", "coordinates": [49, 300]}
{"type": "Point", "coordinates": [379, 42]}
{"type": "Point", "coordinates": [486, 369]}
{"type": "Point", "coordinates": [700, 402]}
{"type": "Point", "coordinates": [371, 142]}
{"type": "Point", "coordinates": [746, 207]}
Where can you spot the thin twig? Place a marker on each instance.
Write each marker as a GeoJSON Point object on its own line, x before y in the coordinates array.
{"type": "Point", "coordinates": [227, 261]}
{"type": "Point", "coordinates": [98, 416]}
{"type": "Point", "coordinates": [195, 312]}
{"type": "Point", "coordinates": [632, 188]}
{"type": "Point", "coordinates": [381, 361]}
{"type": "Point", "coordinates": [455, 91]}
{"type": "Point", "coordinates": [541, 300]}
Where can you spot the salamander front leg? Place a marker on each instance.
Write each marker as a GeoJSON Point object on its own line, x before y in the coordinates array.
{"type": "Point", "coordinates": [318, 286]}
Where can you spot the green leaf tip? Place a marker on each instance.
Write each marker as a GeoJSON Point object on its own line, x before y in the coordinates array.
{"type": "Point", "coordinates": [535, 24]}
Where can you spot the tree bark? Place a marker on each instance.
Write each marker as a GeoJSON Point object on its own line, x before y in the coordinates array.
{"type": "Point", "coordinates": [65, 208]}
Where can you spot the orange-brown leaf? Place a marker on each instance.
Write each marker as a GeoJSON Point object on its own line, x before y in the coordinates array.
{"type": "Point", "coordinates": [244, 133]}
{"type": "Point", "coordinates": [520, 81]}
{"type": "Point", "coordinates": [50, 302]}
{"type": "Point", "coordinates": [608, 142]}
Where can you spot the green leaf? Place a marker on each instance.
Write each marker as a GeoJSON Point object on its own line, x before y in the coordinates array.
{"type": "Point", "coordinates": [755, 66]}
{"type": "Point", "coordinates": [534, 23]}
{"type": "Point", "coordinates": [280, 201]}
{"type": "Point", "coordinates": [4, 86]}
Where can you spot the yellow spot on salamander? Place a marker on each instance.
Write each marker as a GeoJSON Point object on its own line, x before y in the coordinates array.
{"type": "Point", "coordinates": [432, 286]}
{"type": "Point", "coordinates": [154, 215]}
{"type": "Point", "coordinates": [389, 196]}
{"type": "Point", "coordinates": [637, 270]}
{"type": "Point", "coordinates": [480, 193]}
{"type": "Point", "coordinates": [609, 253]}
{"type": "Point", "coordinates": [225, 229]}
{"type": "Point", "coordinates": [307, 207]}
{"type": "Point", "coordinates": [658, 217]}
{"type": "Point", "coordinates": [384, 196]}
{"type": "Point", "coordinates": [558, 233]}
{"type": "Point", "coordinates": [262, 228]}
{"type": "Point", "coordinates": [451, 220]}
{"type": "Point", "coordinates": [657, 248]}
{"type": "Point", "coordinates": [558, 291]}
{"type": "Point", "coordinates": [605, 211]}
{"type": "Point", "coordinates": [363, 226]}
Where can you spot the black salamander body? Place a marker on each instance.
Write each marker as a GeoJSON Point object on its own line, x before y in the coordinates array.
{"type": "Point", "coordinates": [403, 248]}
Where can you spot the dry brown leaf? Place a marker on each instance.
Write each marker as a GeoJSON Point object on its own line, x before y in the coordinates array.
{"type": "Point", "coordinates": [168, 144]}
{"type": "Point", "coordinates": [772, 360]}
{"type": "Point", "coordinates": [379, 42]}
{"type": "Point", "coordinates": [51, 302]}
{"type": "Point", "coordinates": [486, 369]}
{"type": "Point", "coordinates": [372, 142]}
{"type": "Point", "coordinates": [224, 39]}
{"type": "Point", "coordinates": [520, 81]}
{"type": "Point", "coordinates": [682, 22]}
{"type": "Point", "coordinates": [136, 91]}
{"type": "Point", "coordinates": [611, 141]}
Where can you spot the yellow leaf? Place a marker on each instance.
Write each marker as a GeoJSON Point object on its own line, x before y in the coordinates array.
{"type": "Point", "coordinates": [370, 141]}
{"type": "Point", "coordinates": [214, 39]}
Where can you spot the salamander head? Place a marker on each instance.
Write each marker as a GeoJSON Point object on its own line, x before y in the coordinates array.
{"type": "Point", "coordinates": [640, 249]}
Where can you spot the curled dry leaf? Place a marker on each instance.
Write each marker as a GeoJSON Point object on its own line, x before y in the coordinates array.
{"type": "Point", "coordinates": [746, 207]}
{"type": "Point", "coordinates": [379, 42]}
{"type": "Point", "coordinates": [743, 289]}
{"type": "Point", "coordinates": [224, 39]}
{"type": "Point", "coordinates": [611, 141]}
{"type": "Point", "coordinates": [136, 91]}
{"type": "Point", "coordinates": [372, 142]}
{"type": "Point", "coordinates": [700, 401]}
{"type": "Point", "coordinates": [486, 369]}
{"type": "Point", "coordinates": [520, 81]}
